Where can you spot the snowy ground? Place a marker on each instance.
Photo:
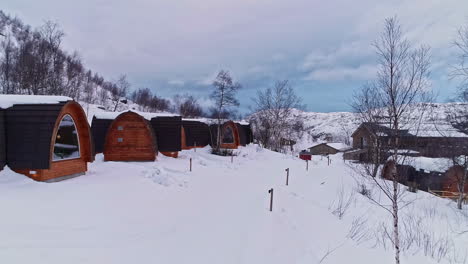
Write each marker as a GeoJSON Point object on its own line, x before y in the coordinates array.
{"type": "Point", "coordinates": [159, 212]}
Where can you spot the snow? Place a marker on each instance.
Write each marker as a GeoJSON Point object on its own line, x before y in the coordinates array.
{"type": "Point", "coordinates": [146, 115]}
{"type": "Point", "coordinates": [339, 146]}
{"type": "Point", "coordinates": [427, 164]}
{"type": "Point", "coordinates": [7, 101]}
{"type": "Point", "coordinates": [159, 212]}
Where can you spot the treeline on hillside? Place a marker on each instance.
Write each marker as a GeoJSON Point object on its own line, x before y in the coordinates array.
{"type": "Point", "coordinates": [33, 62]}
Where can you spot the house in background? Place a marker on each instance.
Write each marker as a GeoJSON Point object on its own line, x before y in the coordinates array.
{"type": "Point", "coordinates": [328, 148]}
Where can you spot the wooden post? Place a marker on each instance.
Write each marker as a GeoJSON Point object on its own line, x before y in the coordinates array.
{"type": "Point", "coordinates": [271, 199]}
{"type": "Point", "coordinates": [287, 176]}
{"type": "Point", "coordinates": [307, 165]}
{"type": "Point", "coordinates": [190, 164]}
{"type": "Point", "coordinates": [328, 157]}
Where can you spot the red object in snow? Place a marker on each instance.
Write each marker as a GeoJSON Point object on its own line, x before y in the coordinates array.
{"type": "Point", "coordinates": [305, 156]}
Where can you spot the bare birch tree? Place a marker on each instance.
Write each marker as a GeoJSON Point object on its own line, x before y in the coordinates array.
{"type": "Point", "coordinates": [224, 96]}
{"type": "Point", "coordinates": [392, 99]}
{"type": "Point", "coordinates": [274, 117]}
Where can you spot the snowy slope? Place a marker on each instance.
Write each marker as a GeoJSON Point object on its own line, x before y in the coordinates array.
{"type": "Point", "coordinates": [159, 212]}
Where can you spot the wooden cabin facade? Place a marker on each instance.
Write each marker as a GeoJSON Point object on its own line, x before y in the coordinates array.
{"type": "Point", "coordinates": [229, 135]}
{"type": "Point", "coordinates": [130, 137]}
{"type": "Point", "coordinates": [194, 134]}
{"type": "Point", "coordinates": [46, 141]}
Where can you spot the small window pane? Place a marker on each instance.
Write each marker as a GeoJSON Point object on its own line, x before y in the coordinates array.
{"type": "Point", "coordinates": [66, 141]}
{"type": "Point", "coordinates": [120, 128]}
{"type": "Point", "coordinates": [119, 139]}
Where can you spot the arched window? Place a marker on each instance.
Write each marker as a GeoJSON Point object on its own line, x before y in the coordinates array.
{"type": "Point", "coordinates": [228, 135]}
{"type": "Point", "coordinates": [66, 141]}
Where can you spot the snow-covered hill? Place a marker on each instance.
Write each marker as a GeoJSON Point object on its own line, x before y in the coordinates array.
{"type": "Point", "coordinates": [160, 212]}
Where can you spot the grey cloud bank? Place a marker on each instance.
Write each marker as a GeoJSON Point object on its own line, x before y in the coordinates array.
{"type": "Point", "coordinates": [324, 48]}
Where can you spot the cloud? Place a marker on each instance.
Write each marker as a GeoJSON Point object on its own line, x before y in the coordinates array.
{"type": "Point", "coordinates": [361, 72]}
{"type": "Point", "coordinates": [258, 41]}
{"type": "Point", "coordinates": [176, 82]}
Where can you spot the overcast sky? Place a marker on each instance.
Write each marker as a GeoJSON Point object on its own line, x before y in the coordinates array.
{"type": "Point", "coordinates": [176, 46]}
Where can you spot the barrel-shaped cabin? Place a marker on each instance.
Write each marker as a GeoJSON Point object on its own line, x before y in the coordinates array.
{"type": "Point", "coordinates": [46, 138]}
{"type": "Point", "coordinates": [130, 137]}
{"type": "Point", "coordinates": [136, 136]}
{"type": "Point", "coordinates": [194, 134]}
{"type": "Point", "coordinates": [229, 135]}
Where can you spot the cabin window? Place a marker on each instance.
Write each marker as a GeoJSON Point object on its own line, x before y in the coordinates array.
{"type": "Point", "coordinates": [228, 135]}
{"type": "Point", "coordinates": [66, 141]}
{"type": "Point", "coordinates": [119, 139]}
{"type": "Point", "coordinates": [120, 128]}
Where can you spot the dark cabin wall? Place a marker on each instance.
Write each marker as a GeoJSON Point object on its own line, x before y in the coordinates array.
{"type": "Point", "coordinates": [99, 129]}
{"type": "Point", "coordinates": [196, 133]}
{"type": "Point", "coordinates": [29, 133]}
{"type": "Point", "coordinates": [168, 133]}
{"type": "Point", "coordinates": [2, 140]}
{"type": "Point", "coordinates": [242, 135]}
{"type": "Point", "coordinates": [248, 133]}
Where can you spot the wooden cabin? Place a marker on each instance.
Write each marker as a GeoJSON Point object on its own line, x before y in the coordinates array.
{"type": "Point", "coordinates": [130, 137]}
{"type": "Point", "coordinates": [327, 148]}
{"type": "Point", "coordinates": [434, 175]}
{"type": "Point", "coordinates": [194, 134]}
{"type": "Point", "coordinates": [46, 138]}
{"type": "Point", "coordinates": [229, 135]}
{"type": "Point", "coordinates": [168, 133]}
{"type": "Point", "coordinates": [429, 140]}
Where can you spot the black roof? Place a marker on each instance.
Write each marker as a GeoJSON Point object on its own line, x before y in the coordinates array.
{"type": "Point", "coordinates": [168, 132]}
{"type": "Point", "coordinates": [196, 133]}
{"type": "Point", "coordinates": [2, 140]}
{"type": "Point", "coordinates": [28, 134]}
{"type": "Point", "coordinates": [99, 131]}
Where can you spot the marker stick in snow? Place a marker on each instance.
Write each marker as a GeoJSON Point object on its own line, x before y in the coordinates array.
{"type": "Point", "coordinates": [190, 164]}
{"type": "Point", "coordinates": [232, 159]}
{"type": "Point", "coordinates": [307, 165]}
{"type": "Point", "coordinates": [287, 176]}
{"type": "Point", "coordinates": [271, 199]}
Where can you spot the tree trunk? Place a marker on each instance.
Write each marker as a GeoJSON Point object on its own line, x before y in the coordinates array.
{"type": "Point", "coordinates": [396, 233]}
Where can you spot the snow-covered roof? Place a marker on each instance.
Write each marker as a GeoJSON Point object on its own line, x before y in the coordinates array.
{"type": "Point", "coordinates": [426, 164]}
{"type": "Point", "coordinates": [210, 121]}
{"type": "Point", "coordinates": [7, 101]}
{"type": "Point", "coordinates": [146, 115]}
{"type": "Point", "coordinates": [337, 146]}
